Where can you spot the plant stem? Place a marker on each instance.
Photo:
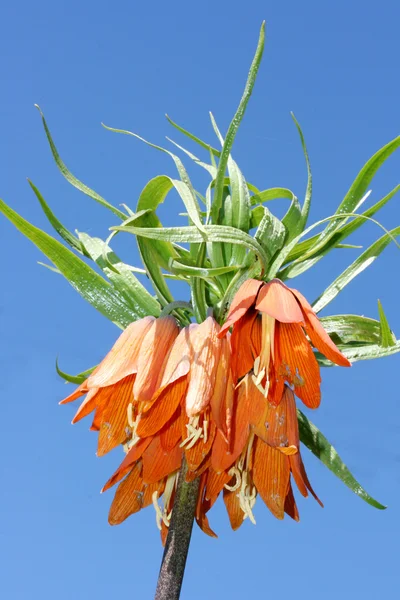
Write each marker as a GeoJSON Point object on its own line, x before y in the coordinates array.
{"type": "Point", "coordinates": [178, 539]}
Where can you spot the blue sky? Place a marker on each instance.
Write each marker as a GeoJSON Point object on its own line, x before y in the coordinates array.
{"type": "Point", "coordinates": [127, 64]}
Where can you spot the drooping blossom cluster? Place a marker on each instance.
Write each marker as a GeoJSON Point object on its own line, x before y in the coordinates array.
{"type": "Point", "coordinates": [224, 401]}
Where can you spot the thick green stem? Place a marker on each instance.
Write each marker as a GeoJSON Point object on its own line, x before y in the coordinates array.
{"type": "Point", "coordinates": [178, 539]}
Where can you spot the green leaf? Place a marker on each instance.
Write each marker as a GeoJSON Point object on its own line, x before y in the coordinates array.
{"type": "Point", "coordinates": [205, 273]}
{"type": "Point", "coordinates": [307, 199]}
{"type": "Point", "coordinates": [58, 226]}
{"type": "Point", "coordinates": [78, 379]}
{"type": "Point", "coordinates": [120, 275]}
{"type": "Point", "coordinates": [315, 441]}
{"type": "Point", "coordinates": [361, 263]}
{"type": "Point", "coordinates": [71, 178]}
{"type": "Point", "coordinates": [209, 168]}
{"type": "Point", "coordinates": [291, 220]}
{"type": "Point", "coordinates": [91, 286]}
{"type": "Point", "coordinates": [183, 187]}
{"type": "Point", "coordinates": [214, 233]}
{"type": "Point", "coordinates": [354, 196]}
{"type": "Point", "coordinates": [213, 151]}
{"type": "Point", "coordinates": [234, 125]}
{"type": "Point", "coordinates": [271, 233]}
{"type": "Point", "coordinates": [345, 329]}
{"type": "Point", "coordinates": [299, 252]}
{"type": "Point", "coordinates": [387, 338]}
{"type": "Point", "coordinates": [360, 352]}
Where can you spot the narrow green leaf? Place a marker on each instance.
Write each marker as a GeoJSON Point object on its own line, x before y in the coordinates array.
{"type": "Point", "coordinates": [193, 137]}
{"type": "Point", "coordinates": [234, 125]}
{"type": "Point", "coordinates": [307, 199]}
{"type": "Point", "coordinates": [271, 233]}
{"type": "Point", "coordinates": [209, 168]}
{"type": "Point", "coordinates": [183, 187]}
{"type": "Point", "coordinates": [345, 329]}
{"type": "Point", "coordinates": [387, 338]}
{"type": "Point", "coordinates": [315, 441]}
{"type": "Point", "coordinates": [361, 263]}
{"type": "Point", "coordinates": [62, 231]}
{"type": "Point", "coordinates": [91, 286]}
{"type": "Point", "coordinates": [292, 218]}
{"type": "Point", "coordinates": [120, 275]}
{"type": "Point", "coordinates": [358, 352]}
{"type": "Point", "coordinates": [78, 379]}
{"type": "Point", "coordinates": [71, 178]}
{"type": "Point", "coordinates": [360, 186]}
{"type": "Point", "coordinates": [301, 249]}
{"type": "Point", "coordinates": [214, 233]}
{"type": "Point", "coordinates": [190, 271]}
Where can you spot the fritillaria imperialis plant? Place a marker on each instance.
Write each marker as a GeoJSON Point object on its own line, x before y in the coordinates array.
{"type": "Point", "coordinates": [202, 394]}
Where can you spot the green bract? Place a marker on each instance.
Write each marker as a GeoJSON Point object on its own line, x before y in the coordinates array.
{"type": "Point", "coordinates": [231, 235]}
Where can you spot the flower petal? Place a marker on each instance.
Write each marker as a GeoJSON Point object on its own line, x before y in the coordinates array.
{"type": "Point", "coordinates": [203, 370]}
{"type": "Point", "coordinates": [271, 474]}
{"type": "Point", "coordinates": [276, 300]}
{"type": "Point", "coordinates": [88, 405]}
{"type": "Point", "coordinates": [215, 484]}
{"type": "Point", "coordinates": [242, 301]}
{"type": "Point", "coordinates": [235, 513]}
{"type": "Point", "coordinates": [114, 428]}
{"type": "Point", "coordinates": [80, 391]}
{"type": "Point", "coordinates": [223, 386]}
{"type": "Point", "coordinates": [290, 505]}
{"type": "Point", "coordinates": [171, 432]}
{"type": "Point", "coordinates": [223, 457]}
{"type": "Point", "coordinates": [178, 361]}
{"type": "Point", "coordinates": [243, 352]}
{"type": "Point", "coordinates": [153, 351]}
{"type": "Point", "coordinates": [157, 463]}
{"type": "Point", "coordinates": [201, 449]}
{"type": "Point", "coordinates": [122, 359]}
{"type": "Point", "coordinates": [133, 456]}
{"type": "Point", "coordinates": [128, 498]}
{"type": "Point", "coordinates": [297, 364]}
{"type": "Point", "coordinates": [154, 419]}
{"type": "Point", "coordinates": [317, 334]}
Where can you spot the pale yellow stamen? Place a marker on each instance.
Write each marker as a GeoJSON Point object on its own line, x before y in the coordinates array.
{"type": "Point", "coordinates": [234, 472]}
{"type": "Point", "coordinates": [195, 432]}
{"type": "Point", "coordinates": [131, 420]}
{"type": "Point", "coordinates": [159, 516]}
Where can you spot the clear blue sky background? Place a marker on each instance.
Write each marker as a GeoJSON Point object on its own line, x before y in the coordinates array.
{"type": "Point", "coordinates": [336, 65]}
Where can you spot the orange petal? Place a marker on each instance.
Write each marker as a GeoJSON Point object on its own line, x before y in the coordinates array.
{"type": "Point", "coordinates": [317, 334]}
{"type": "Point", "coordinates": [300, 477]}
{"type": "Point", "coordinates": [128, 498]}
{"type": "Point", "coordinates": [298, 364]}
{"type": "Point", "coordinates": [203, 370]}
{"type": "Point", "coordinates": [243, 354]}
{"type": "Point", "coordinates": [272, 426]}
{"type": "Point", "coordinates": [201, 508]}
{"type": "Point", "coordinates": [114, 429]}
{"type": "Point", "coordinates": [223, 379]}
{"type": "Point", "coordinates": [290, 505]}
{"type": "Point", "coordinates": [171, 433]}
{"type": "Point", "coordinates": [157, 463]}
{"type": "Point", "coordinates": [215, 484]}
{"type": "Point", "coordinates": [271, 474]}
{"type": "Point", "coordinates": [201, 449]}
{"type": "Point", "coordinates": [242, 301]}
{"type": "Point", "coordinates": [133, 456]}
{"type": "Point", "coordinates": [87, 406]}
{"type": "Point", "coordinates": [153, 420]}
{"type": "Point", "coordinates": [149, 489]}
{"type": "Point", "coordinates": [257, 403]}
{"type": "Point", "coordinates": [153, 351]}
{"type": "Point", "coordinates": [192, 475]}
{"type": "Point", "coordinates": [221, 458]}
{"type": "Point", "coordinates": [235, 513]}
{"type": "Point", "coordinates": [178, 361]}
{"type": "Point", "coordinates": [80, 391]}
{"type": "Point", "coordinates": [276, 300]}
{"type": "Point", "coordinates": [122, 359]}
